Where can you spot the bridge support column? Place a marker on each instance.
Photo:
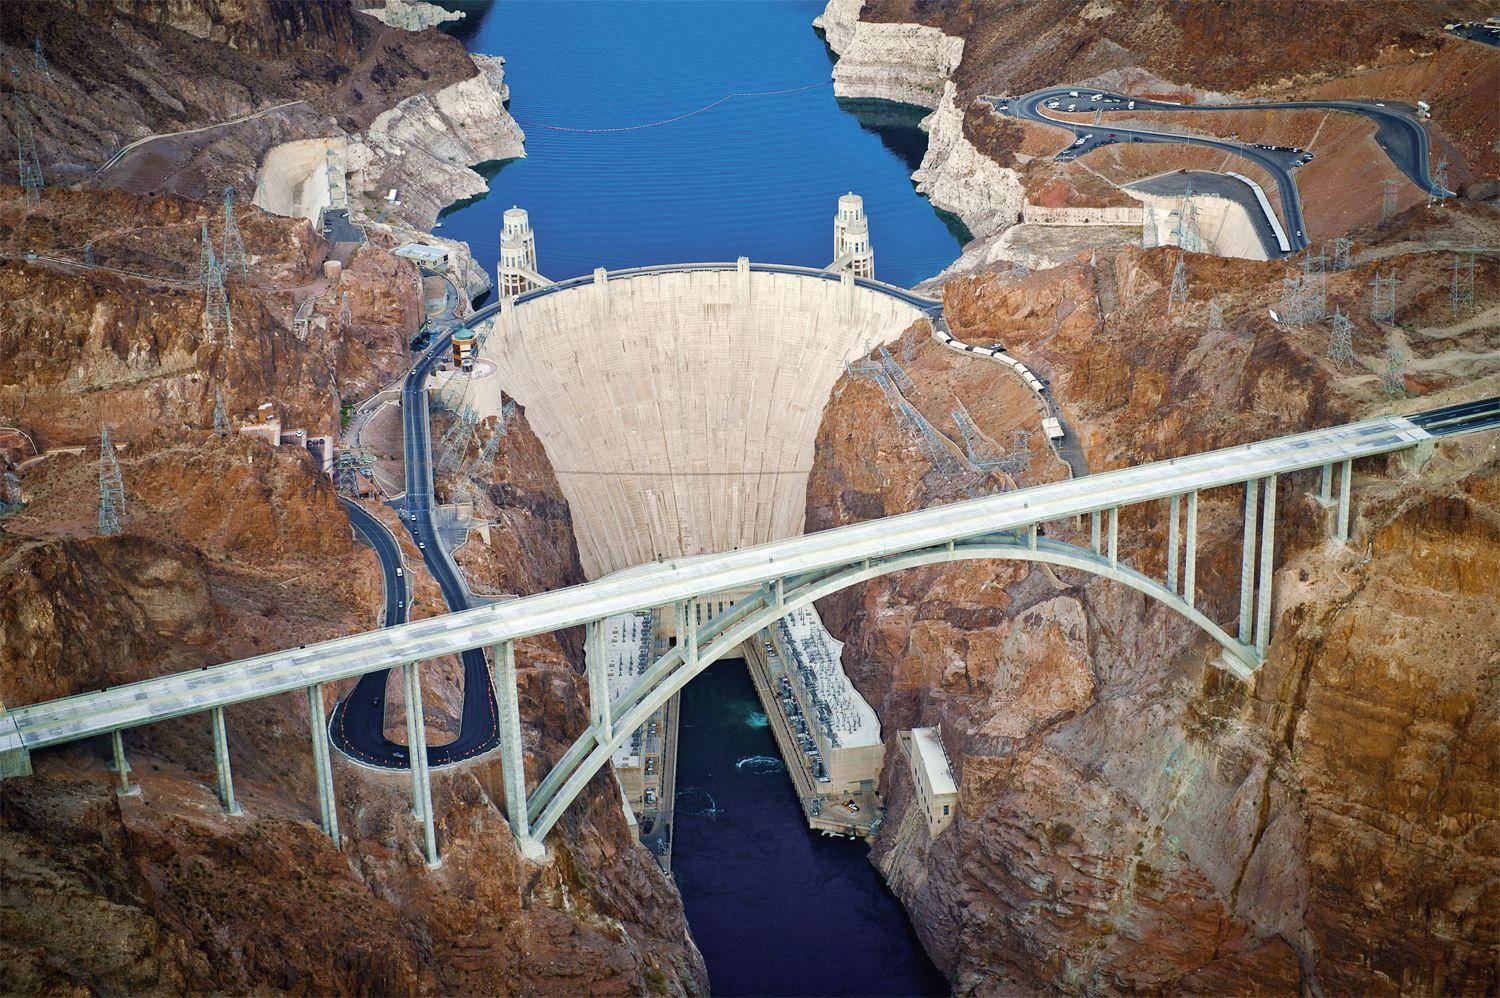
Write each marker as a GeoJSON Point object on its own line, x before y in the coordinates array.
{"type": "Point", "coordinates": [1190, 561]}
{"type": "Point", "coordinates": [418, 752]}
{"type": "Point", "coordinates": [412, 744]}
{"type": "Point", "coordinates": [1173, 511]}
{"type": "Point", "coordinates": [1030, 538]}
{"type": "Point", "coordinates": [1346, 472]}
{"type": "Point", "coordinates": [221, 764]}
{"type": "Point", "coordinates": [598, 673]}
{"type": "Point", "coordinates": [322, 762]}
{"type": "Point", "coordinates": [1325, 484]}
{"type": "Point", "coordinates": [512, 751]}
{"type": "Point", "coordinates": [687, 633]}
{"type": "Point", "coordinates": [1267, 569]}
{"type": "Point", "coordinates": [1247, 559]}
{"type": "Point", "coordinates": [780, 594]}
{"type": "Point", "coordinates": [122, 768]}
{"type": "Point", "coordinates": [1094, 531]}
{"type": "Point", "coordinates": [1114, 536]}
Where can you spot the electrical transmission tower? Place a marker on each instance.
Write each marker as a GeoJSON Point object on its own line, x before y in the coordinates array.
{"type": "Point", "coordinates": [221, 419]}
{"type": "Point", "coordinates": [1341, 339]}
{"type": "Point", "coordinates": [1186, 234]}
{"type": "Point", "coordinates": [1341, 248]}
{"type": "Point", "coordinates": [933, 447]}
{"type": "Point", "coordinates": [234, 246]}
{"type": "Point", "coordinates": [1393, 378]}
{"type": "Point", "coordinates": [1383, 298]}
{"type": "Point", "coordinates": [30, 166]}
{"type": "Point", "coordinates": [1177, 296]}
{"type": "Point", "coordinates": [492, 446]}
{"type": "Point", "coordinates": [39, 60]}
{"type": "Point", "coordinates": [977, 446]}
{"type": "Point", "coordinates": [349, 468]}
{"type": "Point", "coordinates": [1215, 317]}
{"type": "Point", "coordinates": [1314, 287]}
{"type": "Point", "coordinates": [216, 321]}
{"type": "Point", "coordinates": [456, 441]}
{"type": "Point", "coordinates": [1388, 198]}
{"type": "Point", "coordinates": [1148, 227]}
{"type": "Point", "coordinates": [897, 374]}
{"type": "Point", "coordinates": [1439, 179]}
{"type": "Point", "coordinates": [1461, 295]}
{"type": "Point", "coordinates": [111, 487]}
{"type": "Point", "coordinates": [88, 255]}
{"type": "Point", "coordinates": [208, 265]}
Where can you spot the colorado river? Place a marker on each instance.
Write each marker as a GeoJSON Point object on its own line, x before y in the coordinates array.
{"type": "Point", "coordinates": [774, 908]}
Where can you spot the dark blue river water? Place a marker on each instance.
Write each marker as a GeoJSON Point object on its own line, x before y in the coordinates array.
{"type": "Point", "coordinates": [775, 909]}
{"type": "Point", "coordinates": [754, 176]}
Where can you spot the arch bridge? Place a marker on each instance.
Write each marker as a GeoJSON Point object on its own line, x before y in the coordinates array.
{"type": "Point", "coordinates": [779, 577]}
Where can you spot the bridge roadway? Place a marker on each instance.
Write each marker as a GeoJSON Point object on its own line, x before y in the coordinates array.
{"type": "Point", "coordinates": [655, 585]}
{"type": "Point", "coordinates": [1398, 133]}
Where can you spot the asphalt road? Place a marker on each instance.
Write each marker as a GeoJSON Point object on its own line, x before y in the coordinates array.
{"type": "Point", "coordinates": [358, 721]}
{"type": "Point", "coordinates": [1399, 134]}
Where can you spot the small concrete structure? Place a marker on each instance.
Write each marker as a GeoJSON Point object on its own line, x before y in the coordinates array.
{"type": "Point", "coordinates": [433, 258]}
{"type": "Point", "coordinates": [932, 776]}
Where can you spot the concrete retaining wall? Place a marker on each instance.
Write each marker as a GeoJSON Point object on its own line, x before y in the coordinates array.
{"type": "Point", "coordinates": [293, 178]}
{"type": "Point", "coordinates": [680, 410]}
{"type": "Point", "coordinates": [1117, 215]}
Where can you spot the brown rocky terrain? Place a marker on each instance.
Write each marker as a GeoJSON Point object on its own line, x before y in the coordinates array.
{"type": "Point", "coordinates": [123, 342]}
{"type": "Point", "coordinates": [172, 65]}
{"type": "Point", "coordinates": [231, 548]}
{"type": "Point", "coordinates": [1132, 818]}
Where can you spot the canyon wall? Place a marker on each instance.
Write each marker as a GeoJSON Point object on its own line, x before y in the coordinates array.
{"type": "Point", "coordinates": [1131, 817]}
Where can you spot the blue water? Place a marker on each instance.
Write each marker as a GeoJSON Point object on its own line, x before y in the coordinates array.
{"type": "Point", "coordinates": [757, 176]}
{"type": "Point", "coordinates": [774, 909]}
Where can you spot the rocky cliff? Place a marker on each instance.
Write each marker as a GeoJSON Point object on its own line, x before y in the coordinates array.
{"type": "Point", "coordinates": [1131, 818]}
{"type": "Point", "coordinates": [231, 548]}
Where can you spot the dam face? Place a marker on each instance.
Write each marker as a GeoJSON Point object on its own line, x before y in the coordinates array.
{"type": "Point", "coordinates": [680, 410]}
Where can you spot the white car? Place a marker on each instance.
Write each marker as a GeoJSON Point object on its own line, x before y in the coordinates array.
{"type": "Point", "coordinates": [1380, 103]}
{"type": "Point", "coordinates": [1097, 97]}
{"type": "Point", "coordinates": [1079, 142]}
{"type": "Point", "coordinates": [1072, 107]}
{"type": "Point", "coordinates": [1130, 106]}
{"type": "Point", "coordinates": [399, 573]}
{"type": "Point", "coordinates": [1072, 93]}
{"type": "Point", "coordinates": [1052, 103]}
{"type": "Point", "coordinates": [422, 545]}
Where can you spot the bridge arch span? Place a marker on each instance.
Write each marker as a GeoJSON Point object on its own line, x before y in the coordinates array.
{"type": "Point", "coordinates": [720, 636]}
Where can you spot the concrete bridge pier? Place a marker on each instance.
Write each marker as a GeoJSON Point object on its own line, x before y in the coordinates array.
{"type": "Point", "coordinates": [416, 726]}
{"type": "Point", "coordinates": [1267, 572]}
{"type": "Point", "coordinates": [594, 663]}
{"type": "Point", "coordinates": [221, 764]}
{"type": "Point", "coordinates": [322, 764]}
{"type": "Point", "coordinates": [1190, 560]}
{"type": "Point", "coordinates": [512, 752]}
{"type": "Point", "coordinates": [1247, 559]}
{"type": "Point", "coordinates": [122, 767]}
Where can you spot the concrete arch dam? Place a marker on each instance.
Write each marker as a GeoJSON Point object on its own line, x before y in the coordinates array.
{"type": "Point", "coordinates": [680, 406]}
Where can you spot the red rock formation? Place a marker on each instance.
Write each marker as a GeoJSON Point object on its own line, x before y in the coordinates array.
{"type": "Point", "coordinates": [1132, 818]}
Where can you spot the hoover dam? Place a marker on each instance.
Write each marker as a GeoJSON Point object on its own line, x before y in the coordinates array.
{"type": "Point", "coordinates": [679, 409]}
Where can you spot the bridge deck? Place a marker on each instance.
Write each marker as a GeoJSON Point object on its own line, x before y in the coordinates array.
{"type": "Point", "coordinates": [656, 585]}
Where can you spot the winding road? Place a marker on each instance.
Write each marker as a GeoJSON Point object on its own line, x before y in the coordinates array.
{"type": "Point", "coordinates": [357, 725]}
{"type": "Point", "coordinates": [1399, 133]}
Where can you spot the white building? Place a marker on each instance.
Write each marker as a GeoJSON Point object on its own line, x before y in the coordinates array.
{"type": "Point", "coordinates": [933, 777]}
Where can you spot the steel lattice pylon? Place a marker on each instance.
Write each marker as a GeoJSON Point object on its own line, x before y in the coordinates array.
{"type": "Point", "coordinates": [1340, 339]}
{"type": "Point", "coordinates": [111, 487]}
{"type": "Point", "coordinates": [234, 246]}
{"type": "Point", "coordinates": [1439, 179]}
{"type": "Point", "coordinates": [208, 264]}
{"type": "Point", "coordinates": [1393, 378]}
{"type": "Point", "coordinates": [38, 59]}
{"type": "Point", "coordinates": [1461, 294]}
{"type": "Point", "coordinates": [29, 165]}
{"type": "Point", "coordinates": [1341, 248]}
{"type": "Point", "coordinates": [1389, 198]}
{"type": "Point", "coordinates": [348, 468]}
{"type": "Point", "coordinates": [1178, 295]}
{"type": "Point", "coordinates": [1314, 287]}
{"type": "Point", "coordinates": [221, 419]}
{"type": "Point", "coordinates": [88, 254]}
{"type": "Point", "coordinates": [1383, 298]}
{"type": "Point", "coordinates": [216, 321]}
{"type": "Point", "coordinates": [977, 446]}
{"type": "Point", "coordinates": [455, 442]}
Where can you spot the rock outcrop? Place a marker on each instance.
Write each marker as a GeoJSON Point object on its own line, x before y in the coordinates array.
{"type": "Point", "coordinates": [1132, 818]}
{"type": "Point", "coordinates": [907, 63]}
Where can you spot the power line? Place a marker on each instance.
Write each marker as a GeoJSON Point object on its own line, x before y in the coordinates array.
{"type": "Point", "coordinates": [676, 118]}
